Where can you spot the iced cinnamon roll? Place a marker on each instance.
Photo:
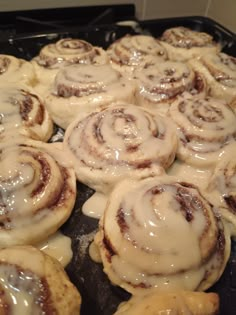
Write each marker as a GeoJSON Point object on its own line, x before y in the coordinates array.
{"type": "Point", "coordinates": [179, 302]}
{"type": "Point", "coordinates": [183, 43]}
{"type": "Point", "coordinates": [34, 283]}
{"type": "Point", "coordinates": [160, 84]}
{"type": "Point", "coordinates": [219, 71]}
{"type": "Point", "coordinates": [86, 88]}
{"type": "Point", "coordinates": [13, 69]}
{"type": "Point", "coordinates": [118, 142]}
{"type": "Point", "coordinates": [160, 234]}
{"type": "Point", "coordinates": [22, 112]}
{"type": "Point", "coordinates": [64, 52]}
{"type": "Point", "coordinates": [37, 192]}
{"type": "Point", "coordinates": [222, 187]}
{"type": "Point", "coordinates": [206, 127]}
{"type": "Point", "coordinates": [128, 52]}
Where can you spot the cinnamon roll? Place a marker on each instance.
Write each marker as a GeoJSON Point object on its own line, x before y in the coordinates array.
{"type": "Point", "coordinates": [34, 283]}
{"type": "Point", "coordinates": [183, 43]}
{"type": "Point", "coordinates": [219, 71]}
{"type": "Point", "coordinates": [222, 187]}
{"type": "Point", "coordinates": [205, 128]}
{"type": "Point", "coordinates": [179, 302]}
{"type": "Point", "coordinates": [127, 52]}
{"type": "Point", "coordinates": [160, 84]}
{"type": "Point", "coordinates": [37, 192]}
{"type": "Point", "coordinates": [160, 234]}
{"type": "Point", "coordinates": [13, 69]}
{"type": "Point", "coordinates": [64, 52]}
{"type": "Point", "coordinates": [85, 88]}
{"type": "Point", "coordinates": [23, 113]}
{"type": "Point", "coordinates": [120, 141]}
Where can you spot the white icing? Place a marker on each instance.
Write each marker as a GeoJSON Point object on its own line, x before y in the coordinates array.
{"type": "Point", "coordinates": [121, 141]}
{"type": "Point", "coordinates": [85, 89]}
{"type": "Point", "coordinates": [188, 173]}
{"type": "Point", "coordinates": [186, 38]}
{"type": "Point", "coordinates": [94, 207]}
{"type": "Point", "coordinates": [127, 53]}
{"type": "Point", "coordinates": [184, 44]}
{"type": "Point", "coordinates": [20, 111]}
{"type": "Point", "coordinates": [29, 178]}
{"type": "Point", "coordinates": [158, 82]}
{"type": "Point", "coordinates": [16, 70]}
{"type": "Point", "coordinates": [57, 246]}
{"type": "Point", "coordinates": [206, 127]}
{"type": "Point", "coordinates": [20, 290]}
{"type": "Point", "coordinates": [166, 247]}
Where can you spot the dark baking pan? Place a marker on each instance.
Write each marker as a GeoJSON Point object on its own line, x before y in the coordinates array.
{"type": "Point", "coordinates": [98, 295]}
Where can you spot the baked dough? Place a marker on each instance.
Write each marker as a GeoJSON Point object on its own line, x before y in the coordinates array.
{"type": "Point", "coordinates": [183, 43]}
{"type": "Point", "coordinates": [160, 83]}
{"type": "Point", "coordinates": [161, 234]}
{"type": "Point", "coordinates": [37, 192]}
{"type": "Point", "coordinates": [16, 70]}
{"type": "Point", "coordinates": [206, 127]}
{"type": "Point", "coordinates": [176, 303]}
{"type": "Point", "coordinates": [221, 189]}
{"type": "Point", "coordinates": [128, 52]}
{"type": "Point", "coordinates": [219, 70]}
{"type": "Point", "coordinates": [121, 141]}
{"type": "Point", "coordinates": [86, 88]}
{"type": "Point", "coordinates": [32, 282]}
{"type": "Point", "coordinates": [23, 113]}
{"type": "Point", "coordinates": [62, 53]}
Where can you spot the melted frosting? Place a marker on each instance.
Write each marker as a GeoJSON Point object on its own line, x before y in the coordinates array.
{"type": "Point", "coordinates": [32, 186]}
{"type": "Point", "coordinates": [21, 289]}
{"type": "Point", "coordinates": [23, 112]}
{"type": "Point", "coordinates": [205, 127]}
{"type": "Point", "coordinates": [127, 53]}
{"type": "Point", "coordinates": [120, 141]}
{"type": "Point", "coordinates": [147, 250]}
{"type": "Point", "coordinates": [67, 51]}
{"type": "Point", "coordinates": [82, 89]}
{"type": "Point", "coordinates": [57, 246]}
{"type": "Point", "coordinates": [95, 205]}
{"type": "Point", "coordinates": [188, 173]}
{"type": "Point", "coordinates": [185, 38]}
{"type": "Point", "coordinates": [222, 67]}
{"type": "Point", "coordinates": [160, 83]}
{"type": "Point", "coordinates": [17, 70]}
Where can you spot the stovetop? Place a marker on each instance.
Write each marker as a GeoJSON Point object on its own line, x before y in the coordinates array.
{"type": "Point", "coordinates": [46, 20]}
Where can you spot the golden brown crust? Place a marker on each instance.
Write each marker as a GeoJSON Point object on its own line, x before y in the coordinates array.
{"type": "Point", "coordinates": [178, 303]}
{"type": "Point", "coordinates": [63, 293]}
{"type": "Point", "coordinates": [38, 279]}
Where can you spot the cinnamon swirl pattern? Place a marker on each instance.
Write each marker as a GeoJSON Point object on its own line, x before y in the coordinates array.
{"type": "Point", "coordinates": [177, 243]}
{"type": "Point", "coordinates": [127, 52]}
{"type": "Point", "coordinates": [183, 44]}
{"type": "Point", "coordinates": [86, 88]}
{"type": "Point", "coordinates": [117, 142]}
{"type": "Point", "coordinates": [23, 113]}
{"type": "Point", "coordinates": [64, 52]}
{"type": "Point", "coordinates": [222, 187]}
{"type": "Point", "coordinates": [219, 71]}
{"type": "Point", "coordinates": [37, 193]}
{"type": "Point", "coordinates": [160, 83]}
{"type": "Point", "coordinates": [206, 127]}
{"type": "Point", "coordinates": [13, 69]}
{"type": "Point", "coordinates": [34, 283]}
{"type": "Point", "coordinates": [179, 302]}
